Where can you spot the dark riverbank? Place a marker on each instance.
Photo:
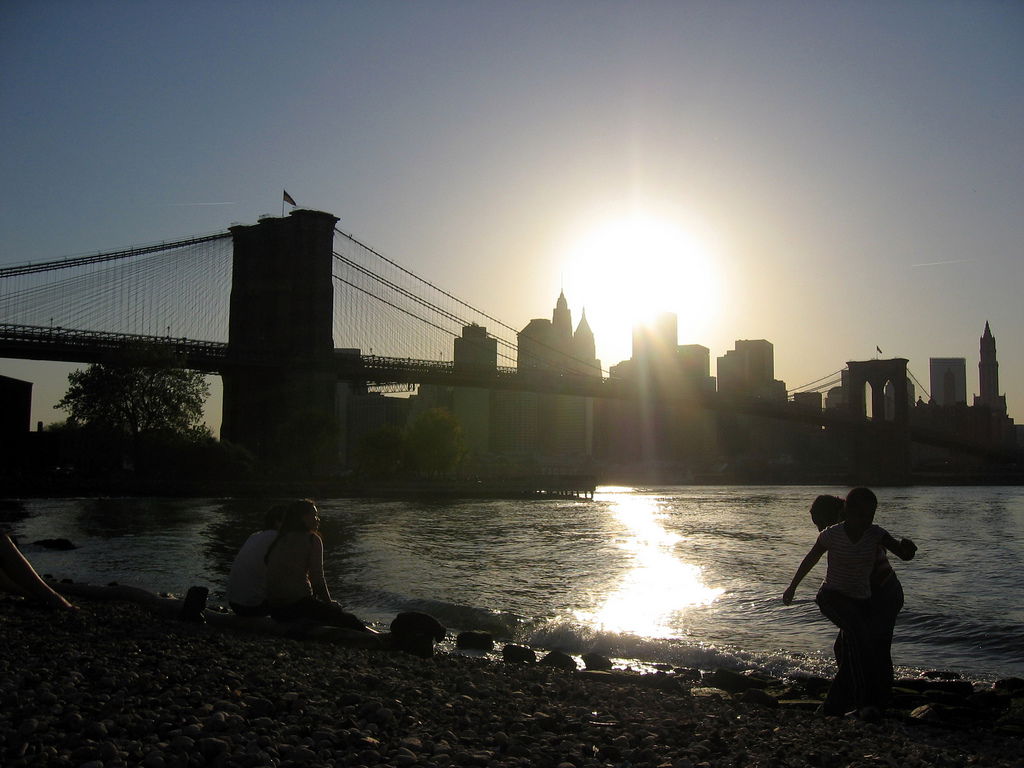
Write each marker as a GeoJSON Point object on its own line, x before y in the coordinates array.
{"type": "Point", "coordinates": [539, 486]}
{"type": "Point", "coordinates": [114, 685]}
{"type": "Point", "coordinates": [518, 487]}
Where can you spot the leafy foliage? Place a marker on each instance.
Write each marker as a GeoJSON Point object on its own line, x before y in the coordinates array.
{"type": "Point", "coordinates": [434, 442]}
{"type": "Point", "coordinates": [142, 395]}
{"type": "Point", "coordinates": [432, 445]}
{"type": "Point", "coordinates": [380, 454]}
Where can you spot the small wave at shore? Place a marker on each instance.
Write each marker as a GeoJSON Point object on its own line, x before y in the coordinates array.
{"type": "Point", "coordinates": [644, 653]}
{"type": "Point", "coordinates": [575, 638]}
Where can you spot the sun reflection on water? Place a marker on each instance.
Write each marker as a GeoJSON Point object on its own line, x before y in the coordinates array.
{"type": "Point", "coordinates": [659, 586]}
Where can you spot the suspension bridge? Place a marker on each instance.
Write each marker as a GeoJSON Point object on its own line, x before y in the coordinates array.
{"type": "Point", "coordinates": [285, 309]}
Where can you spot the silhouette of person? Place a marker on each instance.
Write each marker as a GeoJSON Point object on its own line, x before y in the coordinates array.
{"type": "Point", "coordinates": [247, 582]}
{"type": "Point", "coordinates": [296, 588]}
{"type": "Point", "coordinates": [886, 599]}
{"type": "Point", "coordinates": [18, 577]}
{"type": "Point", "coordinates": [845, 599]}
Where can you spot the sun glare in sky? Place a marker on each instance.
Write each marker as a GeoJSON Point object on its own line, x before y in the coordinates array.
{"type": "Point", "coordinates": [625, 271]}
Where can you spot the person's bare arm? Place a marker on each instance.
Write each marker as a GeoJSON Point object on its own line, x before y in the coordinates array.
{"type": "Point", "coordinates": [316, 570]}
{"type": "Point", "coordinates": [904, 549]}
{"type": "Point", "coordinates": [810, 560]}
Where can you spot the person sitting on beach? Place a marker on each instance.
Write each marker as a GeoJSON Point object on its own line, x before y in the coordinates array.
{"type": "Point", "coordinates": [18, 577]}
{"type": "Point", "coordinates": [296, 588]}
{"type": "Point", "coordinates": [886, 599]}
{"type": "Point", "coordinates": [247, 582]}
{"type": "Point", "coordinates": [844, 598]}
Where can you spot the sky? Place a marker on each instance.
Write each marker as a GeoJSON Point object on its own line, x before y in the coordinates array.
{"type": "Point", "coordinates": [832, 177]}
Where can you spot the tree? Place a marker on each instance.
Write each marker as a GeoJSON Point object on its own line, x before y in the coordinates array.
{"type": "Point", "coordinates": [380, 454]}
{"type": "Point", "coordinates": [141, 394]}
{"type": "Point", "coordinates": [435, 442]}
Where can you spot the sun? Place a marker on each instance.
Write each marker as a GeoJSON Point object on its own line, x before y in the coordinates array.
{"type": "Point", "coordinates": [625, 271]}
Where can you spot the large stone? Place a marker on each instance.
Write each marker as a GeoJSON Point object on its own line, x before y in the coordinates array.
{"type": "Point", "coordinates": [416, 623]}
{"type": "Point", "coordinates": [415, 633]}
{"type": "Point", "coordinates": [61, 544]}
{"type": "Point", "coordinates": [518, 654]}
{"type": "Point", "coordinates": [733, 682]}
{"type": "Point", "coordinates": [689, 674]}
{"type": "Point", "coordinates": [560, 660]}
{"type": "Point", "coordinates": [474, 640]}
{"type": "Point", "coordinates": [1013, 685]}
{"type": "Point", "coordinates": [596, 661]}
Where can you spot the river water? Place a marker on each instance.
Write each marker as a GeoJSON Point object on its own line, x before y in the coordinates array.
{"type": "Point", "coordinates": [691, 576]}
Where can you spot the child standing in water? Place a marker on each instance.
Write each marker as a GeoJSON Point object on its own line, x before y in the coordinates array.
{"type": "Point", "coordinates": [845, 599]}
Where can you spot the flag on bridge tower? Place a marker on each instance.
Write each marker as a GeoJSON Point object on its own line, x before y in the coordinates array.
{"type": "Point", "coordinates": [288, 198]}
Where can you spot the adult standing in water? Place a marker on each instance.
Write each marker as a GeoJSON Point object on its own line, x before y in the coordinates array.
{"type": "Point", "coordinates": [886, 599]}
{"type": "Point", "coordinates": [296, 588]}
{"type": "Point", "coordinates": [845, 599]}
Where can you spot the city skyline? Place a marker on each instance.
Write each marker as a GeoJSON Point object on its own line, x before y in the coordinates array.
{"type": "Point", "coordinates": [831, 178]}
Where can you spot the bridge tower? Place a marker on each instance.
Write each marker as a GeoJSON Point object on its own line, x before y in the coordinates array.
{"type": "Point", "coordinates": [881, 454]}
{"type": "Point", "coordinates": [279, 392]}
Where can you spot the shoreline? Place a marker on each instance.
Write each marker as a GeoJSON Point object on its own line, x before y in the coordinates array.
{"type": "Point", "coordinates": [116, 684]}
{"type": "Point", "coordinates": [446, 491]}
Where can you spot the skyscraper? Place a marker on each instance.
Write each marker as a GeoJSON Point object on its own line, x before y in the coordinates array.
{"type": "Point", "coordinates": [948, 380]}
{"type": "Point", "coordinates": [561, 319]}
{"type": "Point", "coordinates": [988, 374]}
{"type": "Point", "coordinates": [749, 371]}
{"type": "Point", "coordinates": [475, 351]}
{"type": "Point", "coordinates": [584, 349]}
{"type": "Point", "coordinates": [529, 424]}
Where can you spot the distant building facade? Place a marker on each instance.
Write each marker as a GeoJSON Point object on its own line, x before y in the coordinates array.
{"type": "Point", "coordinates": [475, 352]}
{"type": "Point", "coordinates": [16, 408]}
{"type": "Point", "coordinates": [663, 431]}
{"type": "Point", "coordinates": [985, 422]}
{"type": "Point", "coordinates": [748, 370]}
{"type": "Point", "coordinates": [948, 380]}
{"type": "Point", "coordinates": [988, 374]}
{"type": "Point", "coordinates": [558, 428]}
{"type": "Point", "coordinates": [15, 419]}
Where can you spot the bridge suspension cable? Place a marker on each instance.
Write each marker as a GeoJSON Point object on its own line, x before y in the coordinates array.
{"type": "Point", "coordinates": [919, 385]}
{"type": "Point", "coordinates": [425, 282]}
{"type": "Point", "coordinates": [819, 385]}
{"type": "Point", "coordinates": [456, 315]}
{"type": "Point", "coordinates": [178, 289]}
{"type": "Point", "coordinates": [77, 261]}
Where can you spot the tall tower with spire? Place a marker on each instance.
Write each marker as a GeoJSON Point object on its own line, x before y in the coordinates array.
{"type": "Point", "coordinates": [584, 348]}
{"type": "Point", "coordinates": [988, 374]}
{"type": "Point", "coordinates": [561, 320]}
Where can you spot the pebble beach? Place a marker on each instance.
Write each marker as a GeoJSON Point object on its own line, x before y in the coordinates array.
{"type": "Point", "coordinates": [115, 684]}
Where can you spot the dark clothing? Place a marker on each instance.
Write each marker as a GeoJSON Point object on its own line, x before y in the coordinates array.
{"type": "Point", "coordinates": [318, 612]}
{"type": "Point", "coordinates": [855, 683]}
{"type": "Point", "coordinates": [886, 603]}
{"type": "Point", "coordinates": [884, 606]}
{"type": "Point", "coordinates": [251, 610]}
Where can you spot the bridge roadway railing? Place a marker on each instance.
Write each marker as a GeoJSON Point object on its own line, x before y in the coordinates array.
{"type": "Point", "coordinates": [31, 342]}
{"type": "Point", "coordinates": [384, 370]}
{"type": "Point", "coordinates": [79, 346]}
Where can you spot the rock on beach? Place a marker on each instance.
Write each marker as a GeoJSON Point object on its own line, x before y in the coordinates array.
{"type": "Point", "coordinates": [114, 685]}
